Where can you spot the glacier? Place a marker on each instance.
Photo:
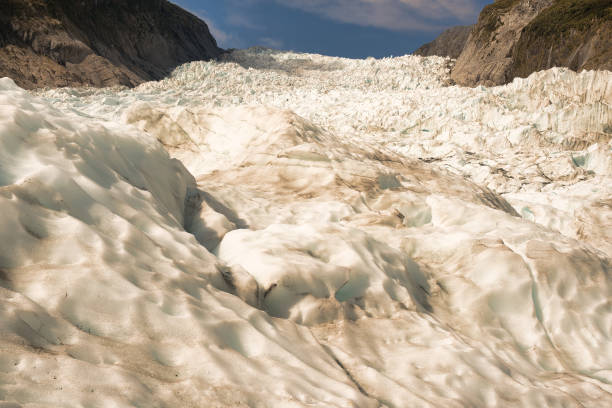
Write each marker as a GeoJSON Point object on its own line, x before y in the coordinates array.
{"type": "Point", "coordinates": [296, 230]}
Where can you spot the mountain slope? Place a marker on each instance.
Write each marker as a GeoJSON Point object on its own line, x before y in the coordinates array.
{"type": "Point", "coordinates": [448, 44]}
{"type": "Point", "coordinates": [97, 42]}
{"type": "Point", "coordinates": [570, 33]}
{"type": "Point", "coordinates": [518, 37]}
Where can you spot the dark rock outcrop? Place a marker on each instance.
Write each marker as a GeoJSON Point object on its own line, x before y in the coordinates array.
{"type": "Point", "coordinates": [54, 43]}
{"type": "Point", "coordinates": [514, 38]}
{"type": "Point", "coordinates": [448, 44]}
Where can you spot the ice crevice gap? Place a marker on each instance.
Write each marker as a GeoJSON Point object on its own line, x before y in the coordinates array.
{"type": "Point", "coordinates": [347, 372]}
{"type": "Point", "coordinates": [360, 387]}
{"type": "Point", "coordinates": [537, 305]}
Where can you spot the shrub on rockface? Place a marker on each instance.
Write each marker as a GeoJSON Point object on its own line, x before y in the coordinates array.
{"type": "Point", "coordinates": [490, 18]}
{"type": "Point", "coordinates": [567, 15]}
{"type": "Point", "coordinates": [572, 33]}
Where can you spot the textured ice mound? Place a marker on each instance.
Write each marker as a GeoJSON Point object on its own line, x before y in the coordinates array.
{"type": "Point", "coordinates": [295, 230]}
{"type": "Point", "coordinates": [526, 140]}
{"type": "Point", "coordinates": [107, 300]}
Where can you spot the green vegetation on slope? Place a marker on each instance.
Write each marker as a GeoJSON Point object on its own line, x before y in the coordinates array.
{"type": "Point", "coordinates": [572, 33]}
{"type": "Point", "coordinates": [566, 15]}
{"type": "Point", "coordinates": [490, 19]}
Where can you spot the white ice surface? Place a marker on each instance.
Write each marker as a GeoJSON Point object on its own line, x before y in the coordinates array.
{"type": "Point", "coordinates": [347, 233]}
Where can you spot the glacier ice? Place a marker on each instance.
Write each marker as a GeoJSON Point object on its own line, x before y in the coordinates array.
{"type": "Point", "coordinates": [282, 229]}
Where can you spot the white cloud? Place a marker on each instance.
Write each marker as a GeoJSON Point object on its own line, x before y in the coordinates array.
{"type": "Point", "coordinates": [224, 39]}
{"type": "Point", "coordinates": [271, 42]}
{"type": "Point", "coordinates": [391, 14]}
{"type": "Point", "coordinates": [221, 36]}
{"type": "Point", "coordinates": [240, 20]}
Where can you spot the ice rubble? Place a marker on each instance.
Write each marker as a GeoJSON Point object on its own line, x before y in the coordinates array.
{"type": "Point", "coordinates": [542, 142]}
{"type": "Point", "coordinates": [334, 233]}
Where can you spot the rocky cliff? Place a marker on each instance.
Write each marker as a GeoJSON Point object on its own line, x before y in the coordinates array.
{"type": "Point", "coordinates": [54, 43]}
{"type": "Point", "coordinates": [449, 44]}
{"type": "Point", "coordinates": [518, 37]}
{"type": "Point", "coordinates": [487, 56]}
{"type": "Point", "coordinates": [574, 34]}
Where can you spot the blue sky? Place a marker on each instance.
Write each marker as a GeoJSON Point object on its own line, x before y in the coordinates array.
{"type": "Point", "coordinates": [347, 28]}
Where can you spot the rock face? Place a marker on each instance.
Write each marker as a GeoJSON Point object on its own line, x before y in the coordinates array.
{"type": "Point", "coordinates": [574, 34]}
{"type": "Point", "coordinates": [57, 43]}
{"type": "Point", "coordinates": [518, 37]}
{"type": "Point", "coordinates": [487, 56]}
{"type": "Point", "coordinates": [449, 44]}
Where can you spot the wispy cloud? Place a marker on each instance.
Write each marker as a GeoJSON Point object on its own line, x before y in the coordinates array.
{"type": "Point", "coordinates": [391, 14]}
{"type": "Point", "coordinates": [240, 20]}
{"type": "Point", "coordinates": [271, 42]}
{"type": "Point", "coordinates": [224, 38]}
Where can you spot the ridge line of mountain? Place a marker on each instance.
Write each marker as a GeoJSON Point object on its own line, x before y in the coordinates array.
{"type": "Point", "coordinates": [56, 43]}
{"type": "Point", "coordinates": [514, 38]}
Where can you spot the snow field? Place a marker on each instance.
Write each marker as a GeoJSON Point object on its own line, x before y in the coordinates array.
{"type": "Point", "coordinates": [533, 140]}
{"type": "Point", "coordinates": [328, 232]}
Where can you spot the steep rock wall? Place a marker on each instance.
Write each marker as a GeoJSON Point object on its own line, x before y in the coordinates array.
{"type": "Point", "coordinates": [449, 44]}
{"type": "Point", "coordinates": [97, 42]}
{"type": "Point", "coordinates": [514, 38]}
